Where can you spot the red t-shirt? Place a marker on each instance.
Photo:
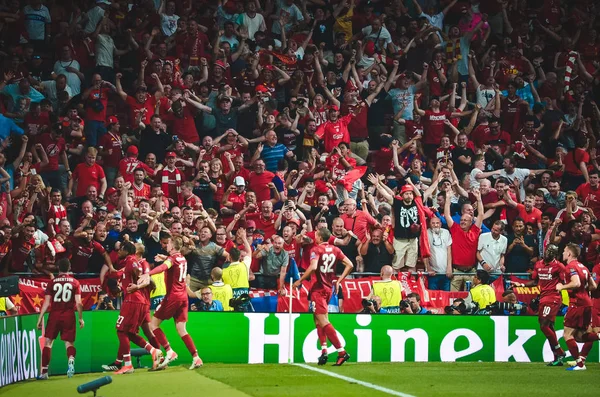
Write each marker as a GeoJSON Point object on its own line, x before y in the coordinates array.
{"type": "Point", "coordinates": [185, 127]}
{"type": "Point", "coordinates": [20, 250]}
{"type": "Point", "coordinates": [128, 165]}
{"type": "Point", "coordinates": [358, 125]}
{"type": "Point", "coordinates": [175, 278]}
{"type": "Point", "coordinates": [327, 256]}
{"type": "Point", "coordinates": [548, 276]}
{"type": "Point", "coordinates": [578, 297]}
{"type": "Point", "coordinates": [573, 159]}
{"type": "Point", "coordinates": [54, 149]}
{"type": "Point", "coordinates": [596, 293]}
{"type": "Point", "coordinates": [97, 95]}
{"type": "Point", "coordinates": [35, 123]}
{"type": "Point", "coordinates": [433, 126]}
{"type": "Point", "coordinates": [134, 109]}
{"type": "Point", "coordinates": [86, 176]}
{"type": "Point", "coordinates": [266, 225]}
{"type": "Point", "coordinates": [334, 133]}
{"type": "Point", "coordinates": [590, 197]}
{"type": "Point", "coordinates": [464, 245]}
{"type": "Point", "coordinates": [533, 217]}
{"type": "Point", "coordinates": [81, 252]}
{"type": "Point", "coordinates": [63, 289]}
{"type": "Point", "coordinates": [111, 141]}
{"type": "Point", "coordinates": [142, 193]}
{"type": "Point", "coordinates": [258, 184]}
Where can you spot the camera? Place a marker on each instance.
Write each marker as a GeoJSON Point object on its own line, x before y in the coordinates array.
{"type": "Point", "coordinates": [106, 299]}
{"type": "Point", "coordinates": [505, 308]}
{"type": "Point", "coordinates": [367, 303]}
{"type": "Point", "coordinates": [241, 303]}
{"type": "Point", "coordinates": [404, 304]}
{"type": "Point", "coordinates": [300, 102]}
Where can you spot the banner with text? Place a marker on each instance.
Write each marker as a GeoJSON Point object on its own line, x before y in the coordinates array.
{"type": "Point", "coordinates": [263, 338]}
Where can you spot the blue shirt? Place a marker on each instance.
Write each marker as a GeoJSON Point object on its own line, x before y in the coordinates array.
{"type": "Point", "coordinates": [525, 93]}
{"type": "Point", "coordinates": [216, 306]}
{"type": "Point", "coordinates": [8, 126]}
{"type": "Point", "coordinates": [15, 93]}
{"type": "Point", "coordinates": [272, 155]}
{"type": "Point", "coordinates": [403, 100]}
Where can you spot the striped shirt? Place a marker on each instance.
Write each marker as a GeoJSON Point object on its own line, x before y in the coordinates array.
{"type": "Point", "coordinates": [272, 154]}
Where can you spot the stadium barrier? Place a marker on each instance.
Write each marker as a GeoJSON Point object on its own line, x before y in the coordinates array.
{"type": "Point", "coordinates": [263, 338]}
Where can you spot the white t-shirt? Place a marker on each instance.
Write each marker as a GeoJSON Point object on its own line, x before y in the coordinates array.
{"type": "Point", "coordinates": [35, 22]}
{"type": "Point", "coordinates": [294, 16]}
{"type": "Point", "coordinates": [382, 34]}
{"type": "Point", "coordinates": [105, 49]}
{"type": "Point", "coordinates": [168, 24]}
{"type": "Point", "coordinates": [51, 94]}
{"type": "Point", "coordinates": [73, 81]}
{"type": "Point", "coordinates": [491, 250]}
{"type": "Point", "coordinates": [484, 96]}
{"type": "Point", "coordinates": [94, 15]}
{"type": "Point", "coordinates": [473, 180]}
{"type": "Point", "coordinates": [520, 173]}
{"type": "Point", "coordinates": [438, 244]}
{"type": "Point", "coordinates": [254, 25]}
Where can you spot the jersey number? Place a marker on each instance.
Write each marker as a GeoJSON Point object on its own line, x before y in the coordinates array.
{"type": "Point", "coordinates": [63, 292]}
{"type": "Point", "coordinates": [546, 311]}
{"type": "Point", "coordinates": [131, 167]}
{"type": "Point", "coordinates": [328, 262]}
{"type": "Point", "coordinates": [182, 271]}
{"type": "Point", "coordinates": [120, 320]}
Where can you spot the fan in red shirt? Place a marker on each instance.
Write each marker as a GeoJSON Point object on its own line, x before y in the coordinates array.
{"type": "Point", "coordinates": [56, 210]}
{"type": "Point", "coordinates": [54, 145]}
{"type": "Point", "coordinates": [547, 274]}
{"type": "Point", "coordinates": [141, 190]}
{"type": "Point", "coordinates": [259, 180]}
{"type": "Point", "coordinates": [135, 309]}
{"type": "Point", "coordinates": [64, 294]}
{"type": "Point", "coordinates": [335, 130]}
{"type": "Point", "coordinates": [21, 245]}
{"type": "Point", "coordinates": [111, 146]}
{"type": "Point", "coordinates": [579, 315]}
{"type": "Point", "coordinates": [527, 211]}
{"type": "Point", "coordinates": [175, 303]}
{"type": "Point", "coordinates": [88, 174]}
{"type": "Point", "coordinates": [142, 100]}
{"type": "Point", "coordinates": [265, 219]}
{"type": "Point", "coordinates": [323, 260]}
{"type": "Point", "coordinates": [129, 164]}
{"type": "Point", "coordinates": [434, 124]}
{"type": "Point", "coordinates": [589, 193]}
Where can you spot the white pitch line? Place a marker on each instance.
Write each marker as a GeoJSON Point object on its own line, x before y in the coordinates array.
{"type": "Point", "coordinates": [360, 382]}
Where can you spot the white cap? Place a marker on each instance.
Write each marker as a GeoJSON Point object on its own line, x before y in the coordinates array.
{"type": "Point", "coordinates": [239, 181]}
{"type": "Point", "coordinates": [103, 2]}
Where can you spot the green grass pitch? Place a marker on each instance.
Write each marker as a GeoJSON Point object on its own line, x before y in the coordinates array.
{"type": "Point", "coordinates": [272, 380]}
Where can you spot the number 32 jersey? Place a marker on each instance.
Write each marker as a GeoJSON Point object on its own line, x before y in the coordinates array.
{"type": "Point", "coordinates": [328, 256]}
{"type": "Point", "coordinates": [175, 278]}
{"type": "Point", "coordinates": [62, 291]}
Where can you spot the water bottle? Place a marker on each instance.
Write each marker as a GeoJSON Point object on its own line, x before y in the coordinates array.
{"type": "Point", "coordinates": [468, 285]}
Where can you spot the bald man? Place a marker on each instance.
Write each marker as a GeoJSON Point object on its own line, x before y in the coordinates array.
{"type": "Point", "coordinates": [357, 221]}
{"type": "Point", "coordinates": [390, 291]}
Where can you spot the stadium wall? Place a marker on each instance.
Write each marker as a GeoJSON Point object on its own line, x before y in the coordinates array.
{"type": "Point", "coordinates": [263, 338]}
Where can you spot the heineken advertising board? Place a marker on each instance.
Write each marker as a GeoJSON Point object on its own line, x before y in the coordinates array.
{"type": "Point", "coordinates": [263, 338]}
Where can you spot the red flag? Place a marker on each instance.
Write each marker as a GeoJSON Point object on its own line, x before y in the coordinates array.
{"type": "Point", "coordinates": [352, 176]}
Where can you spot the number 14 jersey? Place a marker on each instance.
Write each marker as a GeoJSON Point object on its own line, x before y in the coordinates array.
{"type": "Point", "coordinates": [328, 256]}
{"type": "Point", "coordinates": [175, 278]}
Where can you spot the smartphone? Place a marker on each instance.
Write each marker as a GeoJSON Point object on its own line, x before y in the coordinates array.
{"type": "Point", "coordinates": [175, 138]}
{"type": "Point", "coordinates": [33, 171]}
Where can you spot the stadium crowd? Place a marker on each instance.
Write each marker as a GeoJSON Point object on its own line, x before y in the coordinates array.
{"type": "Point", "coordinates": [445, 136]}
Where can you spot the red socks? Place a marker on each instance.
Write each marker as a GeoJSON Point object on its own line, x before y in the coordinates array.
{"type": "Point", "coordinates": [590, 337]}
{"type": "Point", "coordinates": [587, 347]}
{"type": "Point", "coordinates": [124, 347]}
{"type": "Point", "coordinates": [550, 334]}
{"type": "Point", "coordinates": [322, 339]}
{"type": "Point", "coordinates": [161, 338]}
{"type": "Point", "coordinates": [138, 340]}
{"type": "Point", "coordinates": [152, 340]}
{"type": "Point", "coordinates": [189, 343]}
{"type": "Point", "coordinates": [46, 354]}
{"type": "Point", "coordinates": [573, 348]}
{"type": "Point", "coordinates": [332, 336]}
{"type": "Point", "coordinates": [71, 351]}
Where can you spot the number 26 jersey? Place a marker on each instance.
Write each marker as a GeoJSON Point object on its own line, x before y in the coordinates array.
{"type": "Point", "coordinates": [62, 291]}
{"type": "Point", "coordinates": [328, 256]}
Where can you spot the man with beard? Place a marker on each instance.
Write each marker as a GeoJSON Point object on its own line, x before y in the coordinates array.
{"type": "Point", "coordinates": [335, 130]}
{"type": "Point", "coordinates": [589, 194]}
{"type": "Point", "coordinates": [527, 211]}
{"type": "Point", "coordinates": [202, 259]}
{"type": "Point", "coordinates": [547, 273]}
{"type": "Point", "coordinates": [575, 234]}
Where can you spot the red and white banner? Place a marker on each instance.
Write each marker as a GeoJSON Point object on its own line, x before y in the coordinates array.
{"type": "Point", "coordinates": [31, 296]}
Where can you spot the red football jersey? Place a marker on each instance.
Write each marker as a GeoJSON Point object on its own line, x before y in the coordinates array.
{"type": "Point", "coordinates": [128, 165]}
{"type": "Point", "coordinates": [175, 277]}
{"type": "Point", "coordinates": [579, 297]}
{"type": "Point", "coordinates": [548, 277]}
{"type": "Point", "coordinates": [328, 255]}
{"type": "Point", "coordinates": [132, 269]}
{"type": "Point", "coordinates": [596, 293]}
{"type": "Point", "coordinates": [62, 290]}
{"type": "Point", "coordinates": [142, 193]}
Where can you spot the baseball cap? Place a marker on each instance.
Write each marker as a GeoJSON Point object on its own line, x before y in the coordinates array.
{"type": "Point", "coordinates": [103, 208]}
{"type": "Point", "coordinates": [112, 120]}
{"type": "Point", "coordinates": [117, 215]}
{"type": "Point", "coordinates": [224, 98]}
{"type": "Point", "coordinates": [261, 89]}
{"type": "Point", "coordinates": [170, 154]}
{"type": "Point", "coordinates": [294, 221]}
{"type": "Point", "coordinates": [110, 191]}
{"type": "Point", "coordinates": [133, 150]}
{"type": "Point", "coordinates": [406, 188]}
{"type": "Point", "coordinates": [221, 64]}
{"type": "Point", "coordinates": [239, 181]}
{"type": "Point", "coordinates": [334, 107]}
{"type": "Point", "coordinates": [250, 225]}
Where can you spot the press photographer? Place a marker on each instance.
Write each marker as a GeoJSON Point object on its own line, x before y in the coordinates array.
{"type": "Point", "coordinates": [509, 306]}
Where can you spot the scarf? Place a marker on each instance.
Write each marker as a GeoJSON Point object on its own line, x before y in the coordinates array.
{"type": "Point", "coordinates": [453, 51]}
{"type": "Point", "coordinates": [165, 185]}
{"type": "Point", "coordinates": [285, 59]}
{"type": "Point", "coordinates": [60, 213]}
{"type": "Point", "coordinates": [571, 59]}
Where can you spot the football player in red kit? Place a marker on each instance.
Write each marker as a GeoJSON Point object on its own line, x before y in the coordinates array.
{"type": "Point", "coordinates": [134, 311]}
{"type": "Point", "coordinates": [64, 294]}
{"type": "Point", "coordinates": [175, 303]}
{"type": "Point", "coordinates": [579, 315]}
{"type": "Point", "coordinates": [323, 260]}
{"type": "Point", "coordinates": [547, 273]}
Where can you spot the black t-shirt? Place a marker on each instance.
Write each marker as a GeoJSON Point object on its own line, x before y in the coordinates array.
{"type": "Point", "coordinates": [377, 257]}
{"type": "Point", "coordinates": [323, 33]}
{"type": "Point", "coordinates": [404, 217]}
{"type": "Point", "coordinates": [151, 142]}
{"type": "Point", "coordinates": [351, 251]}
{"type": "Point", "coordinates": [205, 193]}
{"type": "Point", "coordinates": [459, 167]}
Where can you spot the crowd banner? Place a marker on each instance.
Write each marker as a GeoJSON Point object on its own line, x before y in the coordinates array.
{"type": "Point", "coordinates": [31, 294]}
{"type": "Point", "coordinates": [263, 338]}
